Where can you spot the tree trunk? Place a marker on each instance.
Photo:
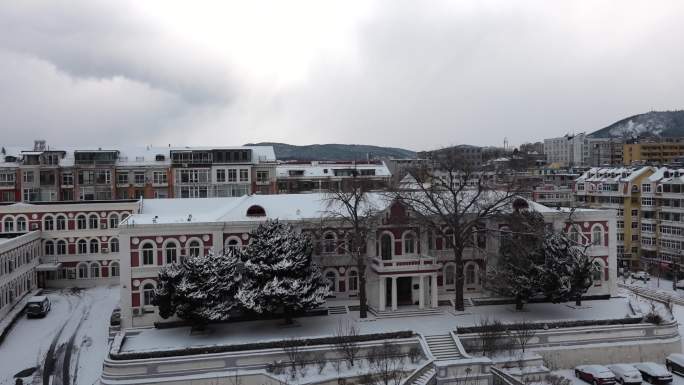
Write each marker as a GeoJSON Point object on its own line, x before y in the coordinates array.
{"type": "Point", "coordinates": [288, 316]}
{"type": "Point", "coordinates": [519, 303]}
{"type": "Point", "coordinates": [578, 300]}
{"type": "Point", "coordinates": [458, 293]}
{"type": "Point", "coordinates": [361, 267]}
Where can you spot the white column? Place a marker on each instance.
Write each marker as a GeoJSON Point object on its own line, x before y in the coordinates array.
{"type": "Point", "coordinates": [383, 292]}
{"type": "Point", "coordinates": [394, 293]}
{"type": "Point", "coordinates": [421, 293]}
{"type": "Point", "coordinates": [435, 300]}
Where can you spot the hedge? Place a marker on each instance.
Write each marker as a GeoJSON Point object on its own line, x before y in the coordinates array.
{"type": "Point", "coordinates": [558, 324]}
{"type": "Point", "coordinates": [511, 301]}
{"type": "Point", "coordinates": [189, 351]}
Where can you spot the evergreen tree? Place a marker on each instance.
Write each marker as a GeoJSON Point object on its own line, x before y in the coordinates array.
{"type": "Point", "coordinates": [200, 289]}
{"type": "Point", "coordinates": [279, 275]}
{"type": "Point", "coordinates": [520, 266]}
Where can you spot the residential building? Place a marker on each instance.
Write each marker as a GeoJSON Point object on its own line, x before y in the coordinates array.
{"type": "Point", "coordinates": [603, 152]}
{"type": "Point", "coordinates": [19, 257]}
{"type": "Point", "coordinates": [618, 189]}
{"type": "Point", "coordinates": [469, 156]}
{"type": "Point", "coordinates": [306, 177]}
{"type": "Point", "coordinates": [565, 151]}
{"type": "Point", "coordinates": [661, 152]}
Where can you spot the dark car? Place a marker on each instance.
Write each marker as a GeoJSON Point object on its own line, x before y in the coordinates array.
{"type": "Point", "coordinates": [37, 306]}
{"type": "Point", "coordinates": [115, 318]}
{"type": "Point", "coordinates": [595, 374]}
{"type": "Point", "coordinates": [654, 373]}
{"type": "Point", "coordinates": [675, 363]}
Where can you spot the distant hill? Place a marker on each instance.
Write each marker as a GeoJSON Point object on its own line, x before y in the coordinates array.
{"type": "Point", "coordinates": [666, 124]}
{"type": "Point", "coordinates": [285, 151]}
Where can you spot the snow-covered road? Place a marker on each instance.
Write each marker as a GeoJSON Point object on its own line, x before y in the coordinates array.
{"type": "Point", "coordinates": [69, 344]}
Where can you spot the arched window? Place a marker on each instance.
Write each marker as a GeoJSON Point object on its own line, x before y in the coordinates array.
{"type": "Point", "coordinates": [386, 246]}
{"type": "Point", "coordinates": [113, 220]}
{"type": "Point", "coordinates": [329, 241]}
{"type": "Point", "coordinates": [194, 249]}
{"type": "Point", "coordinates": [94, 246]}
{"type": "Point", "coordinates": [597, 275]}
{"type": "Point", "coordinates": [81, 222]}
{"type": "Point", "coordinates": [114, 268]}
{"type": "Point", "coordinates": [48, 223]}
{"type": "Point", "coordinates": [597, 236]}
{"type": "Point", "coordinates": [449, 275]}
{"type": "Point", "coordinates": [61, 247]}
{"type": "Point", "coordinates": [409, 243]}
{"type": "Point", "coordinates": [21, 224]}
{"type": "Point", "coordinates": [123, 217]}
{"type": "Point", "coordinates": [232, 244]}
{"type": "Point", "coordinates": [49, 248]}
{"type": "Point", "coordinates": [93, 221]}
{"type": "Point", "coordinates": [148, 254]}
{"type": "Point", "coordinates": [332, 280]}
{"type": "Point", "coordinates": [114, 245]}
{"type": "Point", "coordinates": [256, 211]}
{"type": "Point", "coordinates": [171, 252]}
{"type": "Point", "coordinates": [82, 246]}
{"type": "Point", "coordinates": [8, 225]}
{"type": "Point", "coordinates": [94, 270]}
{"type": "Point", "coordinates": [82, 270]}
{"type": "Point", "coordinates": [470, 274]}
{"type": "Point", "coordinates": [574, 235]}
{"type": "Point", "coordinates": [353, 280]}
{"type": "Point", "coordinates": [61, 222]}
{"type": "Point", "coordinates": [148, 294]}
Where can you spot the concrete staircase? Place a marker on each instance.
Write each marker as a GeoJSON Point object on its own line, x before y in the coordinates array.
{"type": "Point", "coordinates": [443, 347]}
{"type": "Point", "coordinates": [337, 310]}
{"type": "Point", "coordinates": [423, 376]}
{"type": "Point", "coordinates": [406, 312]}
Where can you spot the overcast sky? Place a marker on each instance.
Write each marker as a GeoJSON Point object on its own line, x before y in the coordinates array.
{"type": "Point", "coordinates": [412, 74]}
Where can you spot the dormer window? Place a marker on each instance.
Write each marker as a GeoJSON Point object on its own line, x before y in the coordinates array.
{"type": "Point", "coordinates": [256, 211]}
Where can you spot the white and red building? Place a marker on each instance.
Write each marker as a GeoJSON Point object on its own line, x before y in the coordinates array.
{"type": "Point", "coordinates": [407, 265]}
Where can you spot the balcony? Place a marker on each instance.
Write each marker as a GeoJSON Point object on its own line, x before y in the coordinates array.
{"type": "Point", "coordinates": [417, 264]}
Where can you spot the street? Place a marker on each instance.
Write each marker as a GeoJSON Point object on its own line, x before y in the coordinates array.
{"type": "Point", "coordinates": [67, 346]}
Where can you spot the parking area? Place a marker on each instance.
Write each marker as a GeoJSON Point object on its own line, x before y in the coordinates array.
{"type": "Point", "coordinates": [67, 346]}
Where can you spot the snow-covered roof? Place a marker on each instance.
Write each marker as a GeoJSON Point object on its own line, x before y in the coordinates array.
{"type": "Point", "coordinates": [327, 170]}
{"type": "Point", "coordinates": [613, 174]}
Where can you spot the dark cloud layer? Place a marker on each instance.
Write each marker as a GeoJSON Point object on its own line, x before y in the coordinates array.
{"type": "Point", "coordinates": [405, 74]}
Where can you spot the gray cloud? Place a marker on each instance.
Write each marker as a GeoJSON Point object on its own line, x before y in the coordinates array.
{"type": "Point", "coordinates": [412, 76]}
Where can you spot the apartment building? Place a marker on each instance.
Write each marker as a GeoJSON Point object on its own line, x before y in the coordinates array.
{"type": "Point", "coordinates": [619, 189]}
{"type": "Point", "coordinates": [44, 174]}
{"type": "Point", "coordinates": [566, 151]}
{"type": "Point", "coordinates": [654, 153]}
{"type": "Point", "coordinates": [19, 257]}
{"type": "Point", "coordinates": [307, 177]}
{"type": "Point", "coordinates": [553, 187]}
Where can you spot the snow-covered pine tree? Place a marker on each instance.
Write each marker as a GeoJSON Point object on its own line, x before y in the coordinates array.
{"type": "Point", "coordinates": [201, 289]}
{"type": "Point", "coordinates": [519, 266]}
{"type": "Point", "coordinates": [279, 274]}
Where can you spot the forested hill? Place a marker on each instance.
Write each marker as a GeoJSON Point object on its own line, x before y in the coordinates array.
{"type": "Point", "coordinates": [285, 151]}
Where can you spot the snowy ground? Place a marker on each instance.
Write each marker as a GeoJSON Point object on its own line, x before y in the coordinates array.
{"type": "Point", "coordinates": [75, 331]}
{"type": "Point", "coordinates": [260, 331]}
{"type": "Point", "coordinates": [570, 374]}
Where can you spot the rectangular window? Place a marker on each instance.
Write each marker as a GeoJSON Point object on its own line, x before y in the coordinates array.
{"type": "Point", "coordinates": [646, 187]}
{"type": "Point", "coordinates": [30, 195]}
{"type": "Point", "coordinates": [262, 176]}
{"type": "Point", "coordinates": [28, 176]}
{"type": "Point", "coordinates": [7, 178]}
{"type": "Point", "coordinates": [139, 178]}
{"type": "Point", "coordinates": [232, 175]}
{"type": "Point", "coordinates": [159, 177]}
{"type": "Point", "coordinates": [244, 175]}
{"type": "Point", "coordinates": [122, 178]}
{"type": "Point", "coordinates": [221, 176]}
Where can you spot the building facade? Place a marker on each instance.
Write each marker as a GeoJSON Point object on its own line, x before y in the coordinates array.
{"type": "Point", "coordinates": [566, 151]}
{"type": "Point", "coordinates": [48, 175]}
{"type": "Point", "coordinates": [19, 257]}
{"type": "Point", "coordinates": [406, 264]}
{"type": "Point", "coordinates": [662, 152]}
{"type": "Point", "coordinates": [308, 177]}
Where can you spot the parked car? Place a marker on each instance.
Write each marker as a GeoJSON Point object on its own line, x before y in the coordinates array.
{"type": "Point", "coordinates": [595, 374]}
{"type": "Point", "coordinates": [675, 363]}
{"type": "Point", "coordinates": [37, 306]}
{"type": "Point", "coordinates": [680, 284]}
{"type": "Point", "coordinates": [626, 374]}
{"type": "Point", "coordinates": [641, 275]}
{"type": "Point", "coordinates": [115, 318]}
{"type": "Point", "coordinates": [654, 373]}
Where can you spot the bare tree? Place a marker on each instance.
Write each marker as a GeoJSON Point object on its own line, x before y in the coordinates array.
{"type": "Point", "coordinates": [351, 207]}
{"type": "Point", "coordinates": [453, 199]}
{"type": "Point", "coordinates": [522, 332]}
{"type": "Point", "coordinates": [387, 364]}
{"type": "Point", "coordinates": [346, 344]}
{"type": "Point", "coordinates": [295, 355]}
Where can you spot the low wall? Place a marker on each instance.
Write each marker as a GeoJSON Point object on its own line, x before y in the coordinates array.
{"type": "Point", "coordinates": [568, 347]}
